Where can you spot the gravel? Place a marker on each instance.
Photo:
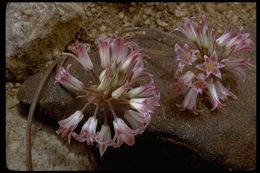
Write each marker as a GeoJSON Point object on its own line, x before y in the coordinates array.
{"type": "Point", "coordinates": [165, 16]}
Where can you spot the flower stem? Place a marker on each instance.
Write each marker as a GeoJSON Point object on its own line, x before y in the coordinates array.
{"type": "Point", "coordinates": [96, 110]}
{"type": "Point", "coordinates": [86, 105]}
{"type": "Point", "coordinates": [105, 115]}
{"type": "Point", "coordinates": [31, 112]}
{"type": "Point", "coordinates": [112, 109]}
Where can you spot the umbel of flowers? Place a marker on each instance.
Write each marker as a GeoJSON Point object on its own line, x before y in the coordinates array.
{"type": "Point", "coordinates": [203, 59]}
{"type": "Point", "coordinates": [124, 95]}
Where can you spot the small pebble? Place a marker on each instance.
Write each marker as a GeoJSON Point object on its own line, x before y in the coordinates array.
{"type": "Point", "coordinates": [177, 13]}
{"type": "Point", "coordinates": [88, 13]}
{"type": "Point", "coordinates": [136, 20]}
{"type": "Point", "coordinates": [9, 85]}
{"type": "Point", "coordinates": [161, 23]}
{"type": "Point", "coordinates": [131, 9]}
{"type": "Point", "coordinates": [160, 7]}
{"type": "Point", "coordinates": [235, 19]}
{"type": "Point", "coordinates": [121, 15]}
{"type": "Point", "coordinates": [55, 53]}
{"type": "Point", "coordinates": [148, 11]}
{"type": "Point", "coordinates": [158, 14]}
{"type": "Point", "coordinates": [103, 28]}
{"type": "Point", "coordinates": [171, 6]}
{"type": "Point", "coordinates": [93, 10]}
{"type": "Point", "coordinates": [94, 32]}
{"type": "Point", "coordinates": [125, 19]}
{"type": "Point", "coordinates": [17, 84]}
{"type": "Point", "coordinates": [147, 21]}
{"type": "Point", "coordinates": [133, 3]}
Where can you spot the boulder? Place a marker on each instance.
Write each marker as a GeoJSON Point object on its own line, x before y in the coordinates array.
{"type": "Point", "coordinates": [226, 136]}
{"type": "Point", "coordinates": [37, 32]}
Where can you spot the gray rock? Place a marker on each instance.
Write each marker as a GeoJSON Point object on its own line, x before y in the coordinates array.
{"type": "Point", "coordinates": [35, 32]}
{"type": "Point", "coordinates": [226, 136]}
{"type": "Point", "coordinates": [49, 152]}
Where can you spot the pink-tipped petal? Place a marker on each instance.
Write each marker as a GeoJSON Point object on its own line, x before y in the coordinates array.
{"type": "Point", "coordinates": [119, 49]}
{"type": "Point", "coordinates": [238, 67]}
{"type": "Point", "coordinates": [211, 65]}
{"type": "Point", "coordinates": [81, 55]}
{"type": "Point", "coordinates": [104, 52]}
{"type": "Point", "coordinates": [69, 124]}
{"type": "Point", "coordinates": [123, 133]}
{"type": "Point", "coordinates": [184, 56]}
{"type": "Point", "coordinates": [214, 97]}
{"type": "Point", "coordinates": [104, 139]}
{"type": "Point", "coordinates": [235, 42]}
{"type": "Point", "coordinates": [68, 81]}
{"type": "Point", "coordinates": [88, 131]}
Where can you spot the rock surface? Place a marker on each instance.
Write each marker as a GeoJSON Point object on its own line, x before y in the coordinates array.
{"type": "Point", "coordinates": [36, 33]}
{"type": "Point", "coordinates": [226, 136]}
{"type": "Point", "coordinates": [49, 152]}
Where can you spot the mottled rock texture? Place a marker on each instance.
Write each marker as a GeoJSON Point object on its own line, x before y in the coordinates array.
{"type": "Point", "coordinates": [49, 152]}
{"type": "Point", "coordinates": [36, 33]}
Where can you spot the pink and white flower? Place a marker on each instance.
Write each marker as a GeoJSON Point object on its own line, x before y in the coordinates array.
{"type": "Point", "coordinates": [214, 98]}
{"type": "Point", "coordinates": [214, 57]}
{"type": "Point", "coordinates": [199, 34]}
{"type": "Point", "coordinates": [235, 42]}
{"type": "Point", "coordinates": [119, 50]}
{"type": "Point", "coordinates": [123, 83]}
{"type": "Point", "coordinates": [140, 74]}
{"type": "Point", "coordinates": [139, 104]}
{"type": "Point", "coordinates": [121, 90]}
{"type": "Point", "coordinates": [105, 79]}
{"type": "Point", "coordinates": [88, 131]}
{"type": "Point", "coordinates": [238, 67]}
{"type": "Point", "coordinates": [189, 29]}
{"type": "Point", "coordinates": [199, 84]}
{"type": "Point", "coordinates": [104, 52]}
{"type": "Point", "coordinates": [123, 133]}
{"type": "Point", "coordinates": [67, 80]}
{"type": "Point", "coordinates": [218, 93]}
{"type": "Point", "coordinates": [184, 82]}
{"type": "Point", "coordinates": [132, 62]}
{"type": "Point", "coordinates": [153, 102]}
{"type": "Point", "coordinates": [69, 124]}
{"type": "Point", "coordinates": [211, 65]}
{"type": "Point", "coordinates": [185, 56]}
{"type": "Point", "coordinates": [104, 139]}
{"type": "Point", "coordinates": [143, 91]}
{"type": "Point", "coordinates": [223, 92]}
{"type": "Point", "coordinates": [190, 99]}
{"type": "Point", "coordinates": [146, 104]}
{"type": "Point", "coordinates": [206, 37]}
{"type": "Point", "coordinates": [137, 120]}
{"type": "Point", "coordinates": [81, 55]}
